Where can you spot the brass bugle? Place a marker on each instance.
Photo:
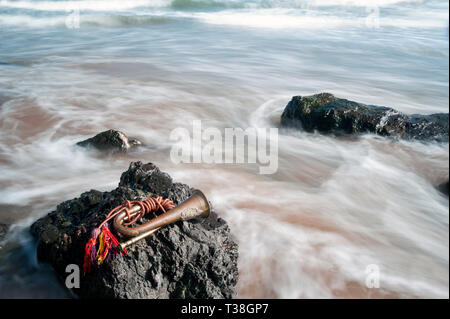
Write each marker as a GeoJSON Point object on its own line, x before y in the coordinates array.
{"type": "Point", "coordinates": [195, 206]}
{"type": "Point", "coordinates": [137, 238]}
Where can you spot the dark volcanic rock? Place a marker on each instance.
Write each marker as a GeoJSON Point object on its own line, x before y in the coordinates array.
{"type": "Point", "coordinates": [326, 113]}
{"type": "Point", "coordinates": [111, 141]}
{"type": "Point", "coordinates": [444, 188]}
{"type": "Point", "coordinates": [189, 259]}
{"type": "Point", "coordinates": [3, 230]}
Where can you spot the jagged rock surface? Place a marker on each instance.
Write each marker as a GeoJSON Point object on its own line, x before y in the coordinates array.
{"type": "Point", "coordinates": [327, 114]}
{"type": "Point", "coordinates": [189, 259]}
{"type": "Point", "coordinates": [3, 230]}
{"type": "Point", "coordinates": [110, 141]}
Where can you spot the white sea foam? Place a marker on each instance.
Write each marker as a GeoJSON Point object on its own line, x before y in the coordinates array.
{"type": "Point", "coordinates": [85, 20]}
{"type": "Point", "coordinates": [360, 3]}
{"type": "Point", "coordinates": [113, 5]}
{"type": "Point", "coordinates": [262, 20]}
{"type": "Point", "coordinates": [275, 18]}
{"type": "Point", "coordinates": [88, 5]}
{"type": "Point", "coordinates": [33, 22]}
{"type": "Point", "coordinates": [289, 19]}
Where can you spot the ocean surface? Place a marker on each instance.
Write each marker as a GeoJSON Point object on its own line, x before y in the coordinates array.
{"type": "Point", "coordinates": [335, 208]}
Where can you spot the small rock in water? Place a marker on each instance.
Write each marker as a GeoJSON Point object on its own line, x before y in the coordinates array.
{"type": "Point", "coordinates": [187, 259]}
{"type": "Point", "coordinates": [444, 188]}
{"type": "Point", "coordinates": [328, 114]}
{"type": "Point", "coordinates": [110, 141]}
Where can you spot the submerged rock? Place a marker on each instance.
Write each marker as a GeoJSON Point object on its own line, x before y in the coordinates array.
{"type": "Point", "coordinates": [111, 141]}
{"type": "Point", "coordinates": [327, 114]}
{"type": "Point", "coordinates": [188, 259]}
{"type": "Point", "coordinates": [3, 230]}
{"type": "Point", "coordinates": [444, 188]}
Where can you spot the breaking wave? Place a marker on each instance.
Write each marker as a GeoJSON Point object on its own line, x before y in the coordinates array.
{"type": "Point", "coordinates": [286, 19]}
{"type": "Point", "coordinates": [95, 5]}
{"type": "Point", "coordinates": [276, 14]}
{"type": "Point", "coordinates": [97, 20]}
{"type": "Point", "coordinates": [114, 5]}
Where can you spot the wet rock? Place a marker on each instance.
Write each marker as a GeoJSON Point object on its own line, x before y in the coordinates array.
{"type": "Point", "coordinates": [444, 188]}
{"type": "Point", "coordinates": [3, 230]}
{"type": "Point", "coordinates": [188, 259]}
{"type": "Point", "coordinates": [328, 114]}
{"type": "Point", "coordinates": [110, 141]}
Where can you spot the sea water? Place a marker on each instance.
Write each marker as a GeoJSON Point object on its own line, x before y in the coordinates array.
{"type": "Point", "coordinates": [336, 209]}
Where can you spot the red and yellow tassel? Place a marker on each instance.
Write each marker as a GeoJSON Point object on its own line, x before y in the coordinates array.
{"type": "Point", "coordinates": [107, 243]}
